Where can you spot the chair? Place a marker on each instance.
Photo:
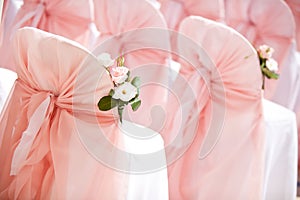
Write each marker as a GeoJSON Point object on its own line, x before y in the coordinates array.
{"type": "Point", "coordinates": [267, 22]}
{"type": "Point", "coordinates": [70, 19]}
{"type": "Point", "coordinates": [137, 30]}
{"type": "Point", "coordinates": [272, 22]}
{"type": "Point", "coordinates": [51, 120]}
{"type": "Point", "coordinates": [175, 11]}
{"type": "Point", "coordinates": [295, 6]}
{"type": "Point", "coordinates": [226, 152]}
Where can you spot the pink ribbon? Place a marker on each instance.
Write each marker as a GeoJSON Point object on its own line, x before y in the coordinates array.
{"type": "Point", "coordinates": [28, 136]}
{"type": "Point", "coordinates": [41, 104]}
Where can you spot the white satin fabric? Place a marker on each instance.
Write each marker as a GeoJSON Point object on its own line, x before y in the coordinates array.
{"type": "Point", "coordinates": [1, 10]}
{"type": "Point", "coordinates": [7, 78]}
{"type": "Point", "coordinates": [281, 153]}
{"type": "Point", "coordinates": [148, 185]}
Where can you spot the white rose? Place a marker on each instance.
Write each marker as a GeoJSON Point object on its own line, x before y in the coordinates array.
{"type": "Point", "coordinates": [125, 92]}
{"type": "Point", "coordinates": [265, 51]}
{"type": "Point", "coordinates": [272, 65]}
{"type": "Point", "coordinates": [105, 59]}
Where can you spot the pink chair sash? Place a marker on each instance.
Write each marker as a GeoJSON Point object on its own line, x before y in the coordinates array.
{"type": "Point", "coordinates": [41, 144]}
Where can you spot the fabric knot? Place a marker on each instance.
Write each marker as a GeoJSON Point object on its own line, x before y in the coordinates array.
{"type": "Point", "coordinates": [53, 97]}
{"type": "Point", "coordinates": [41, 106]}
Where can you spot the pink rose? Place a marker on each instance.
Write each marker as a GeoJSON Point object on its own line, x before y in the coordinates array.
{"type": "Point", "coordinates": [265, 51]}
{"type": "Point", "coordinates": [119, 74]}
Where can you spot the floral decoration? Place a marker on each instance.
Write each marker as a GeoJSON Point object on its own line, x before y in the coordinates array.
{"type": "Point", "coordinates": [125, 91]}
{"type": "Point", "coordinates": [268, 65]}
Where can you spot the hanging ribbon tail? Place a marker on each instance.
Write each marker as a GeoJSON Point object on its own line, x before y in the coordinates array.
{"type": "Point", "coordinates": [2, 20]}
{"type": "Point", "coordinates": [36, 15]}
{"type": "Point", "coordinates": [22, 150]}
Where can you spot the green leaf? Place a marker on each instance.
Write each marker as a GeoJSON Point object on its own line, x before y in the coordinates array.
{"type": "Point", "coordinates": [128, 77]}
{"type": "Point", "coordinates": [106, 103]}
{"type": "Point", "coordinates": [274, 76]}
{"type": "Point", "coordinates": [135, 105]}
{"type": "Point", "coordinates": [122, 103]}
{"type": "Point", "coordinates": [111, 92]}
{"type": "Point", "coordinates": [269, 74]}
{"type": "Point", "coordinates": [136, 81]}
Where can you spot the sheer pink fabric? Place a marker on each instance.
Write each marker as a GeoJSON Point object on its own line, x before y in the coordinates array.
{"type": "Point", "coordinates": [267, 22]}
{"type": "Point", "coordinates": [295, 7]}
{"type": "Point", "coordinates": [9, 12]}
{"type": "Point", "coordinates": [3, 5]}
{"type": "Point", "coordinates": [53, 106]}
{"type": "Point", "coordinates": [232, 167]}
{"type": "Point", "coordinates": [123, 27]}
{"type": "Point", "coordinates": [176, 10]}
{"type": "Point", "coordinates": [67, 18]}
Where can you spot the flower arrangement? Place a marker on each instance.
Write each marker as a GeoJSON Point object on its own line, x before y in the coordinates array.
{"type": "Point", "coordinates": [125, 91]}
{"type": "Point", "coordinates": [268, 65]}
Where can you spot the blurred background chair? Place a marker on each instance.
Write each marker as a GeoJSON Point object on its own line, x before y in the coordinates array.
{"type": "Point", "coordinates": [268, 22]}
{"type": "Point", "coordinates": [70, 19]}
{"type": "Point", "coordinates": [124, 28]}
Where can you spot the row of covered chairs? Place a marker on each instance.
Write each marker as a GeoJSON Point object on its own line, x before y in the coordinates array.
{"type": "Point", "coordinates": [214, 134]}
{"type": "Point", "coordinates": [259, 22]}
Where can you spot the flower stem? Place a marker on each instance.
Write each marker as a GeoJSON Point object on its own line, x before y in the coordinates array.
{"type": "Point", "coordinates": [120, 112]}
{"type": "Point", "coordinates": [263, 84]}
{"type": "Point", "coordinates": [120, 61]}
